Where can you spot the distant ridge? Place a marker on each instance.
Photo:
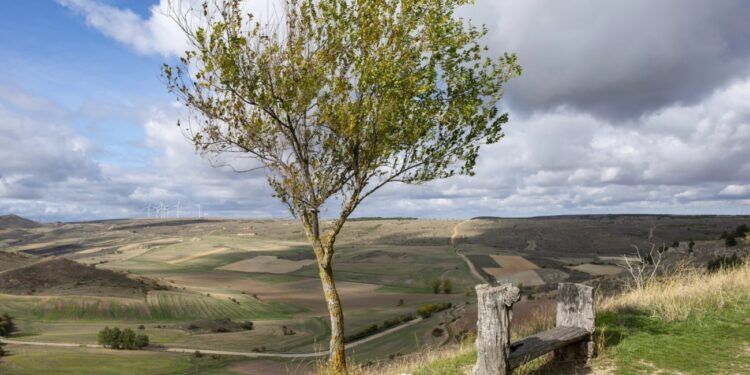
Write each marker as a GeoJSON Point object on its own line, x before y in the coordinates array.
{"type": "Point", "coordinates": [605, 216]}
{"type": "Point", "coordinates": [16, 222]}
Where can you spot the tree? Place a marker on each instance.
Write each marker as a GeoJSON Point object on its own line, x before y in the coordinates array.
{"type": "Point", "coordinates": [141, 341]}
{"type": "Point", "coordinates": [436, 286]}
{"type": "Point", "coordinates": [7, 326]}
{"type": "Point", "coordinates": [447, 286]}
{"type": "Point", "coordinates": [336, 100]}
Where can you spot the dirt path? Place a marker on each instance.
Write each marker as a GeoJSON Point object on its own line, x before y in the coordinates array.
{"type": "Point", "coordinates": [223, 352]}
{"type": "Point", "coordinates": [454, 241]}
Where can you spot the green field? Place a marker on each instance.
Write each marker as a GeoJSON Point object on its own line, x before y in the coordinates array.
{"type": "Point", "coordinates": [27, 360]}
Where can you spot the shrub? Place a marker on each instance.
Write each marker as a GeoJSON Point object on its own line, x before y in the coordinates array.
{"type": "Point", "coordinates": [368, 331]}
{"type": "Point", "coordinates": [248, 325]}
{"type": "Point", "coordinates": [115, 338]}
{"type": "Point", "coordinates": [197, 354]}
{"type": "Point", "coordinates": [437, 332]}
{"type": "Point", "coordinates": [436, 286]}
{"type": "Point", "coordinates": [447, 286]}
{"type": "Point", "coordinates": [425, 311]}
{"type": "Point", "coordinates": [724, 262]}
{"type": "Point", "coordinates": [7, 326]}
{"type": "Point", "coordinates": [730, 241]}
{"type": "Point", "coordinates": [741, 230]}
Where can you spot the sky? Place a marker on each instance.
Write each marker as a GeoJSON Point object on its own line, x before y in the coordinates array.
{"type": "Point", "coordinates": [624, 106]}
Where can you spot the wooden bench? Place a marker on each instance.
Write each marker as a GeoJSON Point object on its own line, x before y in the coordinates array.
{"type": "Point", "coordinates": [569, 340]}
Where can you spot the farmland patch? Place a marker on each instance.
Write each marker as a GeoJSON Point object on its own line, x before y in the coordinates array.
{"type": "Point", "coordinates": [598, 269]}
{"type": "Point", "coordinates": [267, 264]}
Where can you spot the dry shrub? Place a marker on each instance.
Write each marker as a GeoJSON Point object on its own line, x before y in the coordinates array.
{"type": "Point", "coordinates": [687, 291]}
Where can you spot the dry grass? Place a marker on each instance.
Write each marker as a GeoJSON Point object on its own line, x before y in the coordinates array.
{"type": "Point", "coordinates": [689, 291]}
{"type": "Point", "coordinates": [541, 319]}
{"type": "Point", "coordinates": [403, 365]}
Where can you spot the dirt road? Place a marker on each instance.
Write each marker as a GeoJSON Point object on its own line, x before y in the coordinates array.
{"type": "Point", "coordinates": [454, 241]}
{"type": "Point", "coordinates": [223, 352]}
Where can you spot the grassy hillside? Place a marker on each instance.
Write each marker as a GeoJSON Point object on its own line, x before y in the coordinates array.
{"type": "Point", "coordinates": [693, 322]}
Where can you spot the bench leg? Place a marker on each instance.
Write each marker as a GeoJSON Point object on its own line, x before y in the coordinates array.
{"type": "Point", "coordinates": [579, 352]}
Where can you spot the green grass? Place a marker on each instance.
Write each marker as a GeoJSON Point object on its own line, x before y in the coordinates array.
{"type": "Point", "coordinates": [638, 343]}
{"type": "Point", "coordinates": [159, 306]}
{"type": "Point", "coordinates": [27, 360]}
{"type": "Point", "coordinates": [455, 365]}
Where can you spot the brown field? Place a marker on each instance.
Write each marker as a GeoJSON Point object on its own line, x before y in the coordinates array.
{"type": "Point", "coordinates": [598, 269]}
{"type": "Point", "coordinates": [528, 277]}
{"type": "Point", "coordinates": [513, 263]}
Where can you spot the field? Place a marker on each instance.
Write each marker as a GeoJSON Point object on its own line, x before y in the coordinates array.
{"type": "Point", "coordinates": [171, 275]}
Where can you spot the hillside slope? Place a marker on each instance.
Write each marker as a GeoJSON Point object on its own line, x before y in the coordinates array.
{"type": "Point", "coordinates": [16, 222]}
{"type": "Point", "coordinates": [63, 276]}
{"type": "Point", "coordinates": [693, 322]}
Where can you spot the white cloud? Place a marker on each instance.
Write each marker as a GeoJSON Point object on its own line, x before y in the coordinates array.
{"type": "Point", "coordinates": [158, 34]}
{"type": "Point", "coordinates": [617, 58]}
{"type": "Point", "coordinates": [624, 106]}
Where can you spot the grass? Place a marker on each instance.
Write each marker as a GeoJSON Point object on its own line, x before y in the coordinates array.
{"type": "Point", "coordinates": [690, 323]}
{"type": "Point", "coordinates": [159, 306]}
{"type": "Point", "coordinates": [29, 360]}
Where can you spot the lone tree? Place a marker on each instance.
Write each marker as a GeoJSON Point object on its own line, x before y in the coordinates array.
{"type": "Point", "coordinates": [338, 98]}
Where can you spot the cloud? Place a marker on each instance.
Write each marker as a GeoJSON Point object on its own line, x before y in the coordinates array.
{"type": "Point", "coordinates": [624, 106]}
{"type": "Point", "coordinates": [157, 34]}
{"type": "Point", "coordinates": [617, 58]}
{"type": "Point", "coordinates": [683, 158]}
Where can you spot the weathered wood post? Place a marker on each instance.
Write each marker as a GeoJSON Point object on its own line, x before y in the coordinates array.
{"type": "Point", "coordinates": [494, 304]}
{"type": "Point", "coordinates": [575, 308]}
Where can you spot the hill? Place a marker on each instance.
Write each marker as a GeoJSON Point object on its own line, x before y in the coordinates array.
{"type": "Point", "coordinates": [63, 276]}
{"type": "Point", "coordinates": [9, 261]}
{"type": "Point", "coordinates": [15, 222]}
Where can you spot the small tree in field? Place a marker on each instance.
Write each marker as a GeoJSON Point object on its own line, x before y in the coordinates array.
{"type": "Point", "coordinates": [436, 285]}
{"type": "Point", "coordinates": [447, 286]}
{"type": "Point", "coordinates": [336, 100]}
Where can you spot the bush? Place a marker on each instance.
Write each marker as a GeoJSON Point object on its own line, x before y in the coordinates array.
{"type": "Point", "coordinates": [248, 325]}
{"type": "Point", "coordinates": [724, 262]}
{"type": "Point", "coordinates": [436, 286]}
{"type": "Point", "coordinates": [730, 241]}
{"type": "Point", "coordinates": [425, 311]}
{"type": "Point", "coordinates": [368, 331]}
{"type": "Point", "coordinates": [7, 326]}
{"type": "Point", "coordinates": [741, 230]}
{"type": "Point", "coordinates": [447, 286]}
{"type": "Point", "coordinates": [115, 338]}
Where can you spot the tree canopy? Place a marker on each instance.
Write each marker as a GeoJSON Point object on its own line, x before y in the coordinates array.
{"type": "Point", "coordinates": [337, 98]}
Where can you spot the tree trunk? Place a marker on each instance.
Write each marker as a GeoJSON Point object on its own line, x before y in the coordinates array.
{"type": "Point", "coordinates": [337, 361]}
